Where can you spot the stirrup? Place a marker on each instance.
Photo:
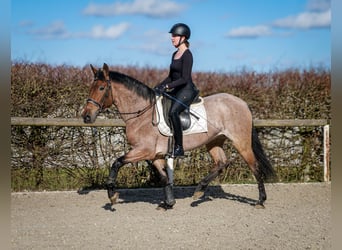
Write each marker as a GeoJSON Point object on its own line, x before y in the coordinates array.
{"type": "Point", "coordinates": [178, 151]}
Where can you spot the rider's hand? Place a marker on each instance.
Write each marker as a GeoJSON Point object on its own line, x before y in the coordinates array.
{"type": "Point", "coordinates": [160, 88]}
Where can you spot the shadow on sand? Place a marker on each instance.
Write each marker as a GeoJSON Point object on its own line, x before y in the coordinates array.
{"type": "Point", "coordinates": [156, 196]}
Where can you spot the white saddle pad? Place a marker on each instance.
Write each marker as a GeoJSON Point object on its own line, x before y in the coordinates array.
{"type": "Point", "coordinates": [197, 126]}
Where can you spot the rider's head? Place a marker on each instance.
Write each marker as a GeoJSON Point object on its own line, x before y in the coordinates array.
{"type": "Point", "coordinates": [183, 31]}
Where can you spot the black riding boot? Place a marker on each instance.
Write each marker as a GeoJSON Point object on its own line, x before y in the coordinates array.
{"type": "Point", "coordinates": [178, 138]}
{"type": "Point", "coordinates": [178, 151]}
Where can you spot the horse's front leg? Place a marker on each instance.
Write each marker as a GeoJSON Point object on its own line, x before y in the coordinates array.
{"type": "Point", "coordinates": [111, 182]}
{"type": "Point", "coordinates": [167, 181]}
{"type": "Point", "coordinates": [168, 189]}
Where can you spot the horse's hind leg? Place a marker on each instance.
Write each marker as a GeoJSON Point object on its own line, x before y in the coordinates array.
{"type": "Point", "coordinates": [248, 155]}
{"type": "Point", "coordinates": [216, 151]}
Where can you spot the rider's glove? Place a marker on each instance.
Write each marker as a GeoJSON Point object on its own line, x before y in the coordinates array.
{"type": "Point", "coordinates": [160, 88]}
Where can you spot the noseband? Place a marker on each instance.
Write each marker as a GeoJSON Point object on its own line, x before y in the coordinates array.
{"type": "Point", "coordinates": [100, 104]}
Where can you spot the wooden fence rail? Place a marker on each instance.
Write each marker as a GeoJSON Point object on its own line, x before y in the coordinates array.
{"type": "Point", "coordinates": [78, 122]}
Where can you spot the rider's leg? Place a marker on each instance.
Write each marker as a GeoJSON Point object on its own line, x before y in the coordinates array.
{"type": "Point", "coordinates": [184, 98]}
{"type": "Point", "coordinates": [175, 110]}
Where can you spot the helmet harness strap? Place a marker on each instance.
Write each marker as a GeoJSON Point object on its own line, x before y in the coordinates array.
{"type": "Point", "coordinates": [180, 41]}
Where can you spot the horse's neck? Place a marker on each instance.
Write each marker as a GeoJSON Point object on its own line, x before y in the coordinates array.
{"type": "Point", "coordinates": [127, 102]}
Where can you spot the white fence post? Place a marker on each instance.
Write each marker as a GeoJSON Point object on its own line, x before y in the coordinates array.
{"type": "Point", "coordinates": [326, 150]}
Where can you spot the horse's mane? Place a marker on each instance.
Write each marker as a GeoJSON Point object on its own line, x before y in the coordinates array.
{"type": "Point", "coordinates": [134, 85]}
{"type": "Point", "coordinates": [130, 83]}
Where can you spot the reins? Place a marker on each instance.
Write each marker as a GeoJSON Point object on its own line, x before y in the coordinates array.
{"type": "Point", "coordinates": [139, 112]}
{"type": "Point", "coordinates": [109, 88]}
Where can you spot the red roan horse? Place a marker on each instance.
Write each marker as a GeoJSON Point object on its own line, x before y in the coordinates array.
{"type": "Point", "coordinates": [229, 117]}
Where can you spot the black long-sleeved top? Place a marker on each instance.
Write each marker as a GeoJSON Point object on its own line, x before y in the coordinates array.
{"type": "Point", "coordinates": [180, 71]}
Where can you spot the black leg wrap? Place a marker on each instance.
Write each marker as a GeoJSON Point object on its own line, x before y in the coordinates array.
{"type": "Point", "coordinates": [201, 187]}
{"type": "Point", "coordinates": [206, 180]}
{"type": "Point", "coordinates": [110, 188]}
{"type": "Point", "coordinates": [262, 193]}
{"type": "Point", "coordinates": [112, 195]}
{"type": "Point", "coordinates": [169, 197]}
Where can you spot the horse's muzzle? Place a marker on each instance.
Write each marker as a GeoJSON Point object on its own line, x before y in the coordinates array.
{"type": "Point", "coordinates": [88, 116]}
{"type": "Point", "coordinates": [87, 119]}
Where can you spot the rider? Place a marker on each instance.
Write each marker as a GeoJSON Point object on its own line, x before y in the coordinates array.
{"type": "Point", "coordinates": [179, 82]}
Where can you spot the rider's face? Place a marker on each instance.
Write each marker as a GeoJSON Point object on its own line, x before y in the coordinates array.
{"type": "Point", "coordinates": [175, 39]}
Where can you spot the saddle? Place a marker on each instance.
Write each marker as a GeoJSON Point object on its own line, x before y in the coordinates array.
{"type": "Point", "coordinates": [193, 120]}
{"type": "Point", "coordinates": [185, 116]}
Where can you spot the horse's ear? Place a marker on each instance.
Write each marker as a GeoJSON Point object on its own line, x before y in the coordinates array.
{"type": "Point", "coordinates": [106, 71]}
{"type": "Point", "coordinates": [93, 69]}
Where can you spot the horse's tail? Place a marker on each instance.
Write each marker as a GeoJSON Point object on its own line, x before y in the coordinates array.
{"type": "Point", "coordinates": [265, 167]}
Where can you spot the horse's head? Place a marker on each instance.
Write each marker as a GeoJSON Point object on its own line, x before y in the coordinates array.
{"type": "Point", "coordinates": [100, 96]}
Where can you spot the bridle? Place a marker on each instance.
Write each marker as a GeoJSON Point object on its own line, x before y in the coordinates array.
{"type": "Point", "coordinates": [105, 95]}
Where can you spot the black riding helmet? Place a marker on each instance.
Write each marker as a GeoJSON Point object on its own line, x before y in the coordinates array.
{"type": "Point", "coordinates": [181, 29]}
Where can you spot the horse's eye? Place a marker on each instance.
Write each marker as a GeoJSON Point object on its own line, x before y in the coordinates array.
{"type": "Point", "coordinates": [101, 88]}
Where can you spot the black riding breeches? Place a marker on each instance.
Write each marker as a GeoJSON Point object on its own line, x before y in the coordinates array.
{"type": "Point", "coordinates": [184, 98]}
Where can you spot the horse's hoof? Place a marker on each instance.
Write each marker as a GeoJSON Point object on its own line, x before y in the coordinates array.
{"type": "Point", "coordinates": [259, 206]}
{"type": "Point", "coordinates": [164, 207]}
{"type": "Point", "coordinates": [197, 195]}
{"type": "Point", "coordinates": [170, 202]}
{"type": "Point", "coordinates": [114, 198]}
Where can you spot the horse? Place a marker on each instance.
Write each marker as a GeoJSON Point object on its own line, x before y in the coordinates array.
{"type": "Point", "coordinates": [228, 116]}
